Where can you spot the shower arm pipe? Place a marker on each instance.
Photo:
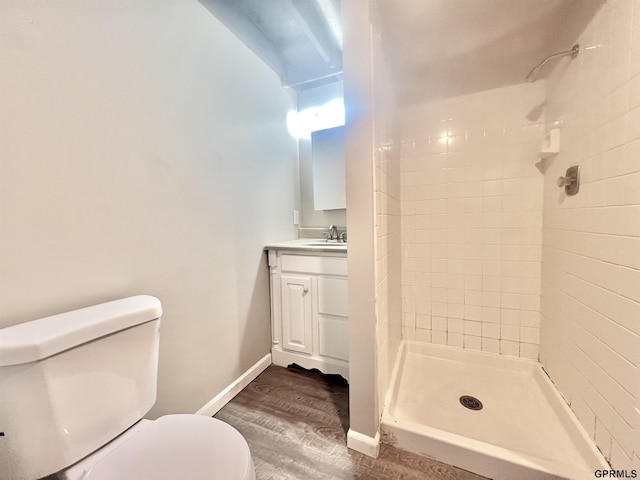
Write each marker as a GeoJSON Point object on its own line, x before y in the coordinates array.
{"type": "Point", "coordinates": [573, 52]}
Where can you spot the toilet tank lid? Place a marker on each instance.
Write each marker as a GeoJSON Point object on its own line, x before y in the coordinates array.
{"type": "Point", "coordinates": [39, 339]}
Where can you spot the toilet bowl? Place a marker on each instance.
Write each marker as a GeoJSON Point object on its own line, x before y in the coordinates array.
{"type": "Point", "coordinates": [75, 389]}
{"type": "Point", "coordinates": [171, 447]}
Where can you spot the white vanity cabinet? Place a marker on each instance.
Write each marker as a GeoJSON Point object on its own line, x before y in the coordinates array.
{"type": "Point", "coordinates": [309, 322]}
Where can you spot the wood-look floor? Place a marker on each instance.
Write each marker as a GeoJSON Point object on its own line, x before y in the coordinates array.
{"type": "Point", "coordinates": [295, 422]}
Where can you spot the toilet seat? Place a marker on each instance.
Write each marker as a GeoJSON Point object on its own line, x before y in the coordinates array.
{"type": "Point", "coordinates": [178, 446]}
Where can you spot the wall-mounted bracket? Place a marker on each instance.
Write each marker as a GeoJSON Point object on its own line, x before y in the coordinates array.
{"type": "Point", "coordinates": [551, 143]}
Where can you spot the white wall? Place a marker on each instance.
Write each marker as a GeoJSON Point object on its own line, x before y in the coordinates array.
{"type": "Point", "coordinates": [373, 215]}
{"type": "Point", "coordinates": [590, 341]}
{"type": "Point", "coordinates": [143, 149]}
{"type": "Point", "coordinates": [472, 220]}
{"type": "Point", "coordinates": [359, 157]}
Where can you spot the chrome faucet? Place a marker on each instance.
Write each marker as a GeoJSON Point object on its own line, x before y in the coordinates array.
{"type": "Point", "coordinates": [332, 234]}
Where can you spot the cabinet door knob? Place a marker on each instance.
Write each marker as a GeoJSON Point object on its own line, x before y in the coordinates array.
{"type": "Point", "coordinates": [305, 290]}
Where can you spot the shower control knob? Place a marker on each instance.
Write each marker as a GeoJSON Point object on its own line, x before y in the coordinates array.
{"type": "Point", "coordinates": [570, 181]}
{"type": "Point", "coordinates": [565, 181]}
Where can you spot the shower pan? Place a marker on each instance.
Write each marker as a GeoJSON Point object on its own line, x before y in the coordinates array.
{"type": "Point", "coordinates": [518, 425]}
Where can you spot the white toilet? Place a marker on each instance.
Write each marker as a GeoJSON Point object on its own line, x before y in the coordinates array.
{"type": "Point", "coordinates": [73, 390]}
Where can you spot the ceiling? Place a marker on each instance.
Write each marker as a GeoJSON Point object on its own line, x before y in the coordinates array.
{"type": "Point", "coordinates": [301, 40]}
{"type": "Point", "coordinates": [434, 48]}
{"type": "Point", "coordinates": [442, 48]}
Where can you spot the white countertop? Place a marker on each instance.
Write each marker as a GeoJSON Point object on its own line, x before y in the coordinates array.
{"type": "Point", "coordinates": [310, 245]}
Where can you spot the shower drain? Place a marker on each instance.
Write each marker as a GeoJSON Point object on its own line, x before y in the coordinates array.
{"type": "Point", "coordinates": [472, 403]}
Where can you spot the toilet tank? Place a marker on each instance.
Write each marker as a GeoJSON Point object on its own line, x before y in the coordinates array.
{"type": "Point", "coordinates": [70, 383]}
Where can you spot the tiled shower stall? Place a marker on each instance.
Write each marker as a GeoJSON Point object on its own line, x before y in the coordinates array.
{"type": "Point", "coordinates": [493, 256]}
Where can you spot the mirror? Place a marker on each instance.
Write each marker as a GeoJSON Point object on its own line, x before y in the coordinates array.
{"type": "Point", "coordinates": [329, 186]}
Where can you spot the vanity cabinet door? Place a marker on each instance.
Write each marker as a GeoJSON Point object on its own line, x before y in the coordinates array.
{"type": "Point", "coordinates": [333, 325]}
{"type": "Point", "coordinates": [296, 313]}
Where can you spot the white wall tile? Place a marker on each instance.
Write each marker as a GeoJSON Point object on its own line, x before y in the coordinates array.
{"type": "Point", "coordinates": [591, 282]}
{"type": "Point", "coordinates": [529, 350]}
{"type": "Point", "coordinates": [510, 332]}
{"type": "Point", "coordinates": [490, 345]}
{"type": "Point", "coordinates": [508, 347]}
{"type": "Point", "coordinates": [423, 335]}
{"type": "Point", "coordinates": [439, 338]}
{"type": "Point", "coordinates": [473, 342]}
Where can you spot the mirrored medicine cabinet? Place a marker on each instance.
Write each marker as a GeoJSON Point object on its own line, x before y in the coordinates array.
{"type": "Point", "coordinates": [329, 185]}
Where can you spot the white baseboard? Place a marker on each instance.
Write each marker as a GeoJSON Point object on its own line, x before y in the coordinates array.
{"type": "Point", "coordinates": [359, 442]}
{"type": "Point", "coordinates": [216, 403]}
